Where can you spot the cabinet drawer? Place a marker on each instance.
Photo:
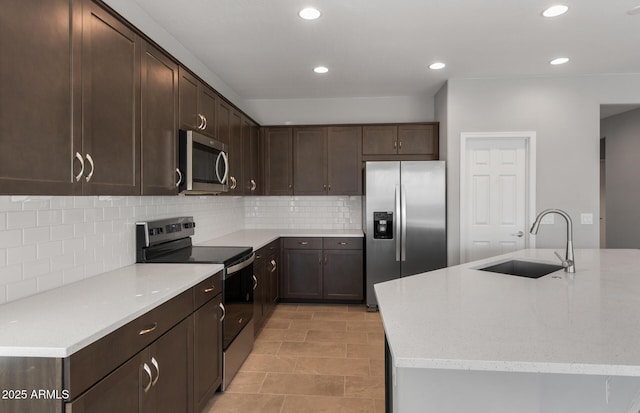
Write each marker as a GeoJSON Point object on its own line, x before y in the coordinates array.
{"type": "Point", "coordinates": [265, 252]}
{"type": "Point", "coordinates": [206, 290]}
{"type": "Point", "coordinates": [342, 243]}
{"type": "Point", "coordinates": [85, 367]}
{"type": "Point", "coordinates": [303, 243]}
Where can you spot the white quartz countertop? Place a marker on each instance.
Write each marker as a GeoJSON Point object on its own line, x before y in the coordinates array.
{"type": "Point", "coordinates": [258, 238]}
{"type": "Point", "coordinates": [466, 319]}
{"type": "Point", "coordinates": [59, 322]}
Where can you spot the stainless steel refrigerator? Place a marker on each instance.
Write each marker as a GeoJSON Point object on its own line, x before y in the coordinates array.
{"type": "Point", "coordinates": [405, 220]}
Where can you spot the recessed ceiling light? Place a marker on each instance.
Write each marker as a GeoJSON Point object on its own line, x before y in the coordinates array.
{"type": "Point", "coordinates": [309, 13]}
{"type": "Point", "coordinates": [320, 69]}
{"type": "Point", "coordinates": [556, 10]}
{"type": "Point", "coordinates": [437, 66]}
{"type": "Point", "coordinates": [559, 61]}
{"type": "Point", "coordinates": [634, 10]}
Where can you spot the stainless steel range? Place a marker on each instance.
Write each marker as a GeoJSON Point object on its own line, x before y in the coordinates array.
{"type": "Point", "coordinates": [169, 241]}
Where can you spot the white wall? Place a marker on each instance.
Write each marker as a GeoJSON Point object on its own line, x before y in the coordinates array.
{"type": "Point", "coordinates": [622, 134]}
{"type": "Point", "coordinates": [391, 109]}
{"type": "Point", "coordinates": [564, 111]}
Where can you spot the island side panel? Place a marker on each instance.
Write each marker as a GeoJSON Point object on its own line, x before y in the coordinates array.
{"type": "Point", "coordinates": [461, 391]}
{"type": "Point", "coordinates": [31, 384]}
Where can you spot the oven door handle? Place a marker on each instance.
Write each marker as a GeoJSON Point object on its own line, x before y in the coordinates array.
{"type": "Point", "coordinates": [241, 265]}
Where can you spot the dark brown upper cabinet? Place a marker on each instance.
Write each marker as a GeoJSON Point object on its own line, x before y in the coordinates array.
{"type": "Point", "coordinates": [197, 105]}
{"type": "Point", "coordinates": [310, 160]}
{"type": "Point", "coordinates": [327, 160]}
{"type": "Point", "coordinates": [236, 176]}
{"type": "Point", "coordinates": [110, 105]}
{"type": "Point", "coordinates": [35, 98]}
{"type": "Point", "coordinates": [344, 160]}
{"type": "Point", "coordinates": [404, 141]}
{"type": "Point", "coordinates": [159, 108]}
{"type": "Point", "coordinates": [278, 162]}
{"type": "Point", "coordinates": [252, 170]}
{"type": "Point", "coordinates": [223, 112]}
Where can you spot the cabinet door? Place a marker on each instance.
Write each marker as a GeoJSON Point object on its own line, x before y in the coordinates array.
{"type": "Point", "coordinates": [260, 295]}
{"type": "Point", "coordinates": [343, 275]}
{"type": "Point", "coordinates": [235, 154]}
{"type": "Point", "coordinates": [188, 86]}
{"type": "Point", "coordinates": [207, 352]}
{"type": "Point", "coordinates": [110, 104]}
{"type": "Point", "coordinates": [159, 100]}
{"type": "Point", "coordinates": [119, 392]}
{"type": "Point", "coordinates": [223, 115]}
{"type": "Point", "coordinates": [380, 140]}
{"type": "Point", "coordinates": [302, 276]}
{"type": "Point", "coordinates": [310, 161]}
{"type": "Point", "coordinates": [344, 160]}
{"type": "Point", "coordinates": [278, 168]}
{"type": "Point", "coordinates": [417, 140]}
{"type": "Point", "coordinates": [171, 363]}
{"type": "Point", "coordinates": [247, 160]}
{"type": "Point", "coordinates": [35, 98]}
{"type": "Point", "coordinates": [207, 108]}
{"type": "Point", "coordinates": [256, 161]}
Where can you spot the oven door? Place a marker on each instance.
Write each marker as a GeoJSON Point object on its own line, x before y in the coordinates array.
{"type": "Point", "coordinates": [203, 164]}
{"type": "Point", "coordinates": [237, 297]}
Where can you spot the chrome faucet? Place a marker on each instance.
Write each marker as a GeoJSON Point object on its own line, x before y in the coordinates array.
{"type": "Point", "coordinates": [568, 262]}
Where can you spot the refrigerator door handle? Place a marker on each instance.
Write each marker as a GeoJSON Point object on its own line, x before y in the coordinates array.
{"type": "Point", "coordinates": [398, 217]}
{"type": "Point", "coordinates": [403, 222]}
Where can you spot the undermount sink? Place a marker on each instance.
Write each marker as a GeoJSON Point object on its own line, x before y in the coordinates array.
{"type": "Point", "coordinates": [523, 268]}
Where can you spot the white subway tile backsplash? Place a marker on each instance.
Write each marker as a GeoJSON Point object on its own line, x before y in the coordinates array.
{"type": "Point", "coordinates": [79, 237]}
{"type": "Point", "coordinates": [18, 255]}
{"type": "Point", "coordinates": [49, 281]}
{"type": "Point", "coordinates": [49, 249]}
{"type": "Point", "coordinates": [33, 269]}
{"type": "Point", "coordinates": [21, 289]}
{"type": "Point", "coordinates": [36, 235]}
{"type": "Point", "coordinates": [21, 219]}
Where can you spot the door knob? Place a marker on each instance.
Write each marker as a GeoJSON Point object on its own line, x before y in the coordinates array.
{"type": "Point", "coordinates": [518, 234]}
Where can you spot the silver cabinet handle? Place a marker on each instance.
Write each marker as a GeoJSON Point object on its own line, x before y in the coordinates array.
{"type": "Point", "coordinates": [324, 186]}
{"type": "Point", "coordinates": [201, 124]}
{"type": "Point", "coordinates": [329, 187]}
{"type": "Point", "coordinates": [518, 234]}
{"type": "Point", "coordinates": [343, 243]}
{"type": "Point", "coordinates": [224, 312]}
{"type": "Point", "coordinates": [81, 159]}
{"type": "Point", "coordinates": [273, 269]}
{"type": "Point", "coordinates": [179, 177]}
{"type": "Point", "coordinates": [395, 144]}
{"type": "Point", "coordinates": [155, 364]}
{"type": "Point", "coordinates": [303, 243]}
{"type": "Point", "coordinates": [148, 371]}
{"type": "Point", "coordinates": [234, 183]}
{"type": "Point", "coordinates": [399, 144]}
{"type": "Point", "coordinates": [255, 282]}
{"type": "Point", "coordinates": [90, 159]}
{"type": "Point", "coordinates": [253, 185]}
{"type": "Point", "coordinates": [205, 122]}
{"type": "Point", "coordinates": [210, 289]}
{"type": "Point", "coordinates": [148, 329]}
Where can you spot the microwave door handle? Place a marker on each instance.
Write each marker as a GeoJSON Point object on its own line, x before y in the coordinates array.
{"type": "Point", "coordinates": [223, 155]}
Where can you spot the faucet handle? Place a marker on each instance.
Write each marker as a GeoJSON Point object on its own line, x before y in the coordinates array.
{"type": "Point", "coordinates": [563, 262]}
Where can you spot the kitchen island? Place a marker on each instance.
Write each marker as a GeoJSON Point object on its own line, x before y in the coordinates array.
{"type": "Point", "coordinates": [460, 339]}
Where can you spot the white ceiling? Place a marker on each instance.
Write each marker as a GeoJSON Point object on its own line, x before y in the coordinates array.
{"type": "Point", "coordinates": [263, 50]}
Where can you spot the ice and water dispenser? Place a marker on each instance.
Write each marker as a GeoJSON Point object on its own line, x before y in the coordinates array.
{"type": "Point", "coordinates": [383, 225]}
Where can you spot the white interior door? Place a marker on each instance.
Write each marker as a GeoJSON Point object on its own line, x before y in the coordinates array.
{"type": "Point", "coordinates": [494, 201]}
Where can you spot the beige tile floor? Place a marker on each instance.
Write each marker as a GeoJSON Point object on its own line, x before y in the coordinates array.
{"type": "Point", "coordinates": [311, 358]}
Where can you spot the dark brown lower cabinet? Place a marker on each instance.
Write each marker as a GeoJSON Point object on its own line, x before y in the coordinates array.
{"type": "Point", "coordinates": [266, 293]}
{"type": "Point", "coordinates": [155, 380]}
{"type": "Point", "coordinates": [207, 366]}
{"type": "Point", "coordinates": [343, 275]}
{"type": "Point", "coordinates": [333, 273]}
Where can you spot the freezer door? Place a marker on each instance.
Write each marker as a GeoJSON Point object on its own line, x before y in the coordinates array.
{"type": "Point", "coordinates": [424, 241]}
{"type": "Point", "coordinates": [382, 186]}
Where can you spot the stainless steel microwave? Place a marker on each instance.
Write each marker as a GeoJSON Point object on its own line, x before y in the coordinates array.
{"type": "Point", "coordinates": [203, 164]}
